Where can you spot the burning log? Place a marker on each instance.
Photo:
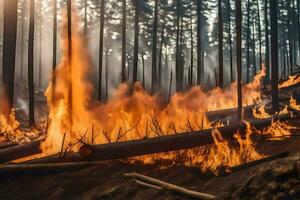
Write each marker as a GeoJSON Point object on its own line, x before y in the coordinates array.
{"type": "Point", "coordinates": [11, 169]}
{"type": "Point", "coordinates": [219, 114]}
{"type": "Point", "coordinates": [19, 151]}
{"type": "Point", "coordinates": [172, 187]}
{"type": "Point", "coordinates": [122, 150]}
{"type": "Point", "coordinates": [7, 144]}
{"type": "Point", "coordinates": [260, 161]}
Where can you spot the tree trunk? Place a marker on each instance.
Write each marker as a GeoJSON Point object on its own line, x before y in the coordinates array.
{"type": "Point", "coordinates": [238, 21]}
{"type": "Point", "coordinates": [70, 92]}
{"type": "Point", "coordinates": [259, 35]}
{"type": "Point", "coordinates": [54, 42]}
{"type": "Point", "coordinates": [160, 56]}
{"type": "Point", "coordinates": [154, 47]}
{"type": "Point", "coordinates": [101, 38]}
{"type": "Point", "coordinates": [248, 41]}
{"type": "Point", "coordinates": [230, 42]}
{"type": "Point", "coordinates": [9, 48]}
{"type": "Point", "coordinates": [136, 41]}
{"type": "Point", "coordinates": [192, 54]}
{"type": "Point", "coordinates": [267, 54]}
{"type": "Point", "coordinates": [40, 46]}
{"type": "Point", "coordinates": [253, 49]}
{"type": "Point", "coordinates": [30, 64]}
{"type": "Point", "coordinates": [22, 39]}
{"type": "Point", "coordinates": [199, 42]}
{"type": "Point", "coordinates": [298, 22]}
{"type": "Point", "coordinates": [124, 20]}
{"type": "Point", "coordinates": [290, 29]}
{"type": "Point", "coordinates": [143, 65]}
{"type": "Point", "coordinates": [85, 18]}
{"type": "Point", "coordinates": [274, 54]}
{"type": "Point", "coordinates": [220, 14]}
{"type": "Point", "coordinates": [106, 73]}
{"type": "Point", "coordinates": [178, 49]}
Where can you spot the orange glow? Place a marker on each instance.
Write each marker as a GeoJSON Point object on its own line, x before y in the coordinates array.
{"type": "Point", "coordinates": [291, 81]}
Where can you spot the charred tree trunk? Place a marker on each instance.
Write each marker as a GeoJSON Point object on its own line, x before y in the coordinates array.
{"type": "Point", "coordinates": [101, 38]}
{"type": "Point", "coordinates": [199, 42]}
{"type": "Point", "coordinates": [230, 42]}
{"type": "Point", "coordinates": [143, 65]}
{"type": "Point", "coordinates": [253, 49]}
{"type": "Point", "coordinates": [85, 18]}
{"type": "Point", "coordinates": [248, 41]}
{"type": "Point", "coordinates": [192, 54]}
{"type": "Point", "coordinates": [160, 56]}
{"type": "Point", "coordinates": [70, 92]}
{"type": "Point", "coordinates": [238, 22]}
{"type": "Point", "coordinates": [220, 34]}
{"type": "Point", "coordinates": [124, 20]}
{"type": "Point", "coordinates": [298, 22]}
{"type": "Point", "coordinates": [259, 35]}
{"type": "Point", "coordinates": [154, 47]}
{"type": "Point", "coordinates": [54, 42]}
{"type": "Point", "coordinates": [267, 53]}
{"type": "Point", "coordinates": [9, 48]}
{"type": "Point", "coordinates": [274, 54]}
{"type": "Point", "coordinates": [290, 29]}
{"type": "Point", "coordinates": [106, 73]}
{"type": "Point", "coordinates": [30, 64]}
{"type": "Point", "coordinates": [22, 39]}
{"type": "Point", "coordinates": [136, 41]}
{"type": "Point", "coordinates": [40, 47]}
{"type": "Point", "coordinates": [178, 49]}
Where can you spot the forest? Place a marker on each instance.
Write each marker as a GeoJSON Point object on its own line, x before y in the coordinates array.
{"type": "Point", "coordinates": [143, 99]}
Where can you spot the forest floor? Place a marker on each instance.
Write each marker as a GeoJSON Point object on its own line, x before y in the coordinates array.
{"type": "Point", "coordinates": [279, 179]}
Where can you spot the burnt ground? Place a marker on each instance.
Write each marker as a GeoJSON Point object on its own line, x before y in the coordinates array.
{"type": "Point", "coordinates": [279, 179]}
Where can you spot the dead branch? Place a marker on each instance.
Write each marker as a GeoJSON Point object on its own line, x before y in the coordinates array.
{"type": "Point", "coordinates": [169, 186]}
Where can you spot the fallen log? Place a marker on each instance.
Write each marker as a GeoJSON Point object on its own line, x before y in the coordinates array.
{"type": "Point", "coordinates": [258, 162]}
{"type": "Point", "coordinates": [7, 144]}
{"type": "Point", "coordinates": [19, 151]}
{"type": "Point", "coordinates": [219, 114]}
{"type": "Point", "coordinates": [122, 150]}
{"type": "Point", "coordinates": [172, 187]}
{"type": "Point", "coordinates": [12, 169]}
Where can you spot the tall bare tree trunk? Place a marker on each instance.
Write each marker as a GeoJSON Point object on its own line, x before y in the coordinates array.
{"type": "Point", "coordinates": [160, 56]}
{"type": "Point", "coordinates": [220, 14]}
{"type": "Point", "coordinates": [124, 20]}
{"type": "Point", "coordinates": [22, 39]}
{"type": "Point", "coordinates": [259, 35]}
{"type": "Point", "coordinates": [253, 49]}
{"type": "Point", "coordinates": [136, 41]}
{"type": "Point", "coordinates": [85, 18]}
{"type": "Point", "coordinates": [9, 48]}
{"type": "Point", "coordinates": [192, 53]}
{"type": "Point", "coordinates": [101, 38]}
{"type": "Point", "coordinates": [70, 92]}
{"type": "Point", "coordinates": [274, 54]}
{"type": "Point", "coordinates": [267, 53]}
{"type": "Point", "coordinates": [248, 41]}
{"type": "Point", "coordinates": [199, 42]}
{"type": "Point", "coordinates": [30, 64]}
{"type": "Point", "coordinates": [238, 22]}
{"type": "Point", "coordinates": [154, 47]}
{"type": "Point", "coordinates": [230, 42]}
{"type": "Point", "coordinates": [178, 49]}
{"type": "Point", "coordinates": [54, 48]}
{"type": "Point", "coordinates": [40, 46]}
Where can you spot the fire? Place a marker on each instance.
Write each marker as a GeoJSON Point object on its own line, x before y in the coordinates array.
{"type": "Point", "coordinates": [293, 104]}
{"type": "Point", "coordinates": [291, 81]}
{"type": "Point", "coordinates": [260, 112]}
{"type": "Point", "coordinates": [131, 113]}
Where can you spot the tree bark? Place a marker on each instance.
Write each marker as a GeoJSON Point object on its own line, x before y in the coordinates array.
{"type": "Point", "coordinates": [101, 40]}
{"type": "Point", "coordinates": [192, 53]}
{"type": "Point", "coordinates": [9, 48]}
{"type": "Point", "coordinates": [178, 49]}
{"type": "Point", "coordinates": [274, 54]}
{"type": "Point", "coordinates": [259, 35]}
{"type": "Point", "coordinates": [124, 20]}
{"type": "Point", "coordinates": [238, 21]}
{"type": "Point", "coordinates": [199, 42]}
{"type": "Point", "coordinates": [154, 48]}
{"type": "Point", "coordinates": [85, 18]}
{"type": "Point", "coordinates": [230, 42]}
{"type": "Point", "coordinates": [136, 41]}
{"type": "Point", "coordinates": [248, 42]}
{"type": "Point", "coordinates": [70, 86]}
{"type": "Point", "coordinates": [30, 64]}
{"type": "Point", "coordinates": [22, 40]}
{"type": "Point", "coordinates": [267, 52]}
{"type": "Point", "coordinates": [220, 24]}
{"type": "Point", "coordinates": [160, 56]}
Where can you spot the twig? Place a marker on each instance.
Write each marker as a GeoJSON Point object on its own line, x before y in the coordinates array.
{"type": "Point", "coordinates": [170, 186]}
{"type": "Point", "coordinates": [147, 185]}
